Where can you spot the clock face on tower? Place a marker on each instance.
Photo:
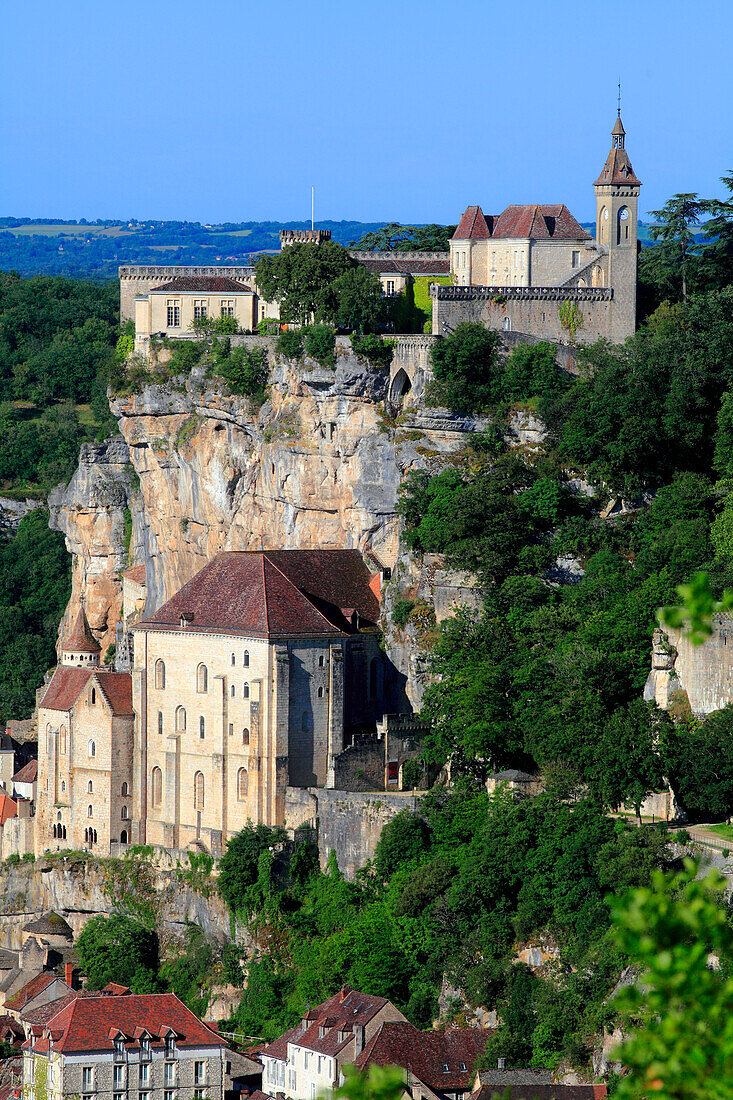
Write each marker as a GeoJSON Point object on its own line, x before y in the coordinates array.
{"type": "Point", "coordinates": [623, 214]}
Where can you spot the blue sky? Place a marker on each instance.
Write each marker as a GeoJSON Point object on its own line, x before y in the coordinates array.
{"type": "Point", "coordinates": [228, 110]}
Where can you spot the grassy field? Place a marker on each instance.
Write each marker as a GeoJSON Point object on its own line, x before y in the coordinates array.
{"type": "Point", "coordinates": [58, 230]}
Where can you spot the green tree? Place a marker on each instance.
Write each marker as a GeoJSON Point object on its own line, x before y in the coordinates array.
{"type": "Point", "coordinates": [698, 758]}
{"type": "Point", "coordinates": [675, 247]}
{"type": "Point", "coordinates": [119, 949]}
{"type": "Point", "coordinates": [358, 293]}
{"type": "Point", "coordinates": [465, 369]}
{"type": "Point", "coordinates": [302, 278]}
{"type": "Point", "coordinates": [239, 866]}
{"type": "Point", "coordinates": [678, 1014]}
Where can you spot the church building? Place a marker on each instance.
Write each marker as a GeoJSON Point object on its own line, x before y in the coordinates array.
{"type": "Point", "coordinates": [251, 679]}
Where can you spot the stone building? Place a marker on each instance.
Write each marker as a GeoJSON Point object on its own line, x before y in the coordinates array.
{"type": "Point", "coordinates": [535, 270]}
{"type": "Point", "coordinates": [85, 743]}
{"type": "Point", "coordinates": [253, 678]}
{"type": "Point", "coordinates": [150, 1046]}
{"type": "Point", "coordinates": [171, 308]}
{"type": "Point", "coordinates": [307, 1061]}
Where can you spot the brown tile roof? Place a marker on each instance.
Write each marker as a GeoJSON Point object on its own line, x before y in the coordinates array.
{"type": "Point", "coordinates": [135, 573]}
{"type": "Point", "coordinates": [618, 170]}
{"type": "Point", "coordinates": [440, 1059]}
{"type": "Point", "coordinates": [550, 222]}
{"type": "Point", "coordinates": [540, 1092]}
{"type": "Point", "coordinates": [336, 1015]}
{"type": "Point", "coordinates": [88, 1024]}
{"type": "Point", "coordinates": [80, 639]}
{"type": "Point", "coordinates": [8, 808]}
{"type": "Point", "coordinates": [30, 990]}
{"type": "Point", "coordinates": [395, 263]}
{"type": "Point", "coordinates": [204, 284]}
{"type": "Point", "coordinates": [113, 989]}
{"type": "Point", "coordinates": [472, 226]}
{"type": "Point", "coordinates": [273, 593]}
{"type": "Point", "coordinates": [67, 685]}
{"type": "Point", "coordinates": [117, 690]}
{"type": "Point", "coordinates": [28, 773]}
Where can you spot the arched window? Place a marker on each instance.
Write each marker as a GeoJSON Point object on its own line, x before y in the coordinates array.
{"type": "Point", "coordinates": [156, 784]}
{"type": "Point", "coordinates": [242, 784]}
{"type": "Point", "coordinates": [245, 691]}
{"type": "Point", "coordinates": [245, 736]}
{"type": "Point", "coordinates": [246, 658]}
{"type": "Point", "coordinates": [93, 696]}
{"type": "Point", "coordinates": [93, 835]}
{"type": "Point", "coordinates": [180, 719]}
{"type": "Point", "coordinates": [58, 816]}
{"type": "Point", "coordinates": [622, 230]}
{"type": "Point", "coordinates": [321, 661]}
{"type": "Point", "coordinates": [234, 660]}
{"type": "Point", "coordinates": [86, 836]}
{"type": "Point", "coordinates": [507, 324]}
{"type": "Point", "coordinates": [89, 811]}
{"type": "Point", "coordinates": [373, 677]}
{"type": "Point", "coordinates": [90, 787]}
{"type": "Point", "coordinates": [160, 722]}
{"type": "Point", "coordinates": [202, 678]}
{"type": "Point", "coordinates": [320, 693]}
{"type": "Point", "coordinates": [198, 791]}
{"type": "Point", "coordinates": [125, 790]}
{"type": "Point", "coordinates": [602, 228]}
{"type": "Point", "coordinates": [160, 674]}
{"type": "Point", "coordinates": [202, 727]}
{"type": "Point", "coordinates": [123, 813]}
{"type": "Point", "coordinates": [92, 749]}
{"type": "Point", "coordinates": [233, 691]}
{"type": "Point", "coordinates": [63, 785]}
{"type": "Point", "coordinates": [123, 836]}
{"type": "Point", "coordinates": [63, 739]}
{"type": "Point", "coordinates": [63, 832]}
{"type": "Point", "coordinates": [55, 834]}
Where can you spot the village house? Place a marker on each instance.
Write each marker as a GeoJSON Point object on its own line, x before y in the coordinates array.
{"type": "Point", "coordinates": [439, 1065]}
{"type": "Point", "coordinates": [171, 309]}
{"type": "Point", "coordinates": [117, 1046]}
{"type": "Point", "coordinates": [306, 1062]}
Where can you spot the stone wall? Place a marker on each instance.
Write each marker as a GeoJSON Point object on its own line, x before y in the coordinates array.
{"type": "Point", "coordinates": [703, 673]}
{"type": "Point", "coordinates": [531, 310]}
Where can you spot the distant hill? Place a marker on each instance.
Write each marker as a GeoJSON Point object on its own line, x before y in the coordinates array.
{"type": "Point", "coordinates": [94, 250]}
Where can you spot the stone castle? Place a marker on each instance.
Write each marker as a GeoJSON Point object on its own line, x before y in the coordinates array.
{"type": "Point", "coordinates": [532, 270]}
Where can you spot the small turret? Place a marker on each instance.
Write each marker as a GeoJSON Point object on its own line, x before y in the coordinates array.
{"type": "Point", "coordinates": [80, 648]}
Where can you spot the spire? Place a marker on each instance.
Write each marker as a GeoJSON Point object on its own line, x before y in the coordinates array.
{"type": "Point", "coordinates": [617, 169]}
{"type": "Point", "coordinates": [80, 641]}
{"type": "Point", "coordinates": [618, 133]}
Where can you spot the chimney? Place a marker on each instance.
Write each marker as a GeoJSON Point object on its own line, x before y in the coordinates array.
{"type": "Point", "coordinates": [69, 973]}
{"type": "Point", "coordinates": [501, 1063]}
{"type": "Point", "coordinates": [358, 1039]}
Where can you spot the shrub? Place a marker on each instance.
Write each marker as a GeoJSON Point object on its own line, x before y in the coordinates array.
{"type": "Point", "coordinates": [373, 348]}
{"type": "Point", "coordinates": [401, 612]}
{"type": "Point", "coordinates": [245, 369]}
{"type": "Point", "coordinates": [465, 369]}
{"type": "Point", "coordinates": [290, 343]}
{"type": "Point", "coordinates": [320, 344]}
{"type": "Point", "coordinates": [268, 325]}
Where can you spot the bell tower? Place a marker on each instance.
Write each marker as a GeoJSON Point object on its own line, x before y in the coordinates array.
{"type": "Point", "coordinates": [617, 199]}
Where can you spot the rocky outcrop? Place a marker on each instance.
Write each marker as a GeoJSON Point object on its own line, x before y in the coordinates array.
{"type": "Point", "coordinates": [698, 676]}
{"type": "Point", "coordinates": [91, 513]}
{"type": "Point", "coordinates": [13, 511]}
{"type": "Point", "coordinates": [318, 465]}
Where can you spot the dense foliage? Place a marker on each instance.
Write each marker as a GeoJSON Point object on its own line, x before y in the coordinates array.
{"type": "Point", "coordinates": [119, 949]}
{"type": "Point", "coordinates": [450, 891]}
{"type": "Point", "coordinates": [35, 584]}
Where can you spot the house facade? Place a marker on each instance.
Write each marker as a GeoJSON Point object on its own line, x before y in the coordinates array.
{"type": "Point", "coordinates": [307, 1061]}
{"type": "Point", "coordinates": [170, 309]}
{"type": "Point", "coordinates": [151, 1046]}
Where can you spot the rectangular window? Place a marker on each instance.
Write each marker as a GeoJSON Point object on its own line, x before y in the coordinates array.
{"type": "Point", "coordinates": [143, 1096]}
{"type": "Point", "coordinates": [173, 309]}
{"type": "Point", "coordinates": [199, 1073]}
{"type": "Point", "coordinates": [390, 288]}
{"type": "Point", "coordinates": [576, 259]}
{"type": "Point", "coordinates": [144, 1073]}
{"type": "Point", "coordinates": [200, 308]}
{"type": "Point", "coordinates": [168, 1095]}
{"type": "Point", "coordinates": [87, 1078]}
{"type": "Point", "coordinates": [170, 1073]}
{"type": "Point", "coordinates": [227, 307]}
{"type": "Point", "coordinates": [119, 1077]}
{"type": "Point", "coordinates": [118, 1096]}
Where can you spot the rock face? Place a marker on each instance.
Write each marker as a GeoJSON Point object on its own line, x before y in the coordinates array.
{"type": "Point", "coordinates": [91, 512]}
{"type": "Point", "coordinates": [699, 675]}
{"type": "Point", "coordinates": [318, 465]}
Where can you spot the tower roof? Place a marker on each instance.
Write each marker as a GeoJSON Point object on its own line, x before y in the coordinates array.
{"type": "Point", "coordinates": [618, 170]}
{"type": "Point", "coordinates": [618, 130]}
{"type": "Point", "coordinates": [472, 226]}
{"type": "Point", "coordinates": [80, 639]}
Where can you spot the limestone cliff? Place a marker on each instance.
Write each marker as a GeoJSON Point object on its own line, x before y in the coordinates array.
{"type": "Point", "coordinates": [319, 464]}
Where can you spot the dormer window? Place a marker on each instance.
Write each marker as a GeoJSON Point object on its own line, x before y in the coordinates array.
{"type": "Point", "coordinates": [170, 1046]}
{"type": "Point", "coordinates": [145, 1050]}
{"type": "Point", "coordinates": [445, 1067]}
{"type": "Point", "coordinates": [462, 1066]}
